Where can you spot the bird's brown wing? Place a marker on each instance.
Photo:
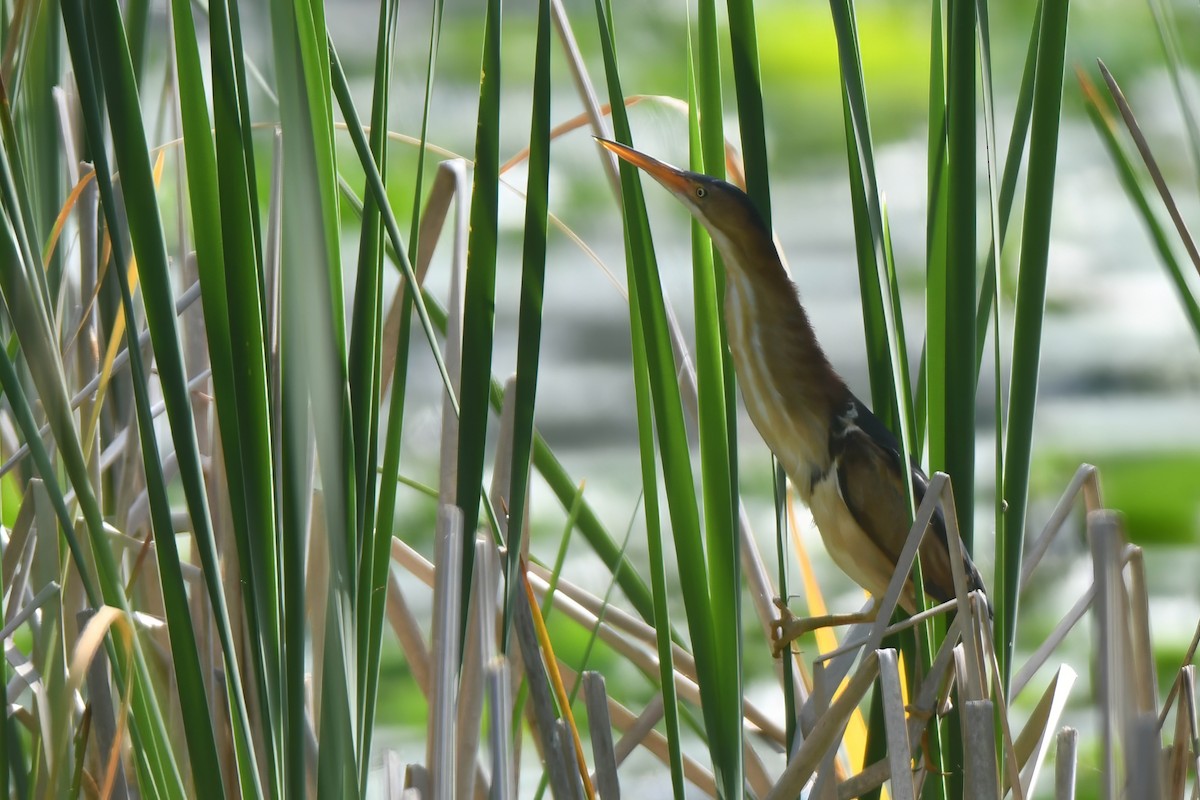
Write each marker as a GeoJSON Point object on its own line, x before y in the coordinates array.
{"type": "Point", "coordinates": [869, 470]}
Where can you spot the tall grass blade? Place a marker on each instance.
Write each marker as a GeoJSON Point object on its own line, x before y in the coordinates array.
{"type": "Point", "coordinates": [661, 617]}
{"type": "Point", "coordinates": [157, 768]}
{"type": "Point", "coordinates": [17, 210]}
{"type": "Point", "coordinates": [137, 17]}
{"type": "Point", "coordinates": [5, 719]}
{"type": "Point", "coordinates": [237, 320]}
{"type": "Point", "coordinates": [717, 419]}
{"type": "Point", "coordinates": [32, 80]}
{"type": "Point", "coordinates": [992, 257]}
{"type": "Point", "coordinates": [747, 80]}
{"type": "Point", "coordinates": [989, 293]}
{"type": "Point", "coordinates": [206, 204]}
{"type": "Point", "coordinates": [314, 373]}
{"type": "Point", "coordinates": [989, 286]}
{"type": "Point", "coordinates": [479, 309]}
{"type": "Point", "coordinates": [932, 378]}
{"type": "Point", "coordinates": [1030, 305]}
{"type": "Point", "coordinates": [381, 560]}
{"type": "Point", "coordinates": [647, 314]}
{"type": "Point", "coordinates": [868, 220]}
{"type": "Point", "coordinates": [529, 324]}
{"type": "Point", "coordinates": [886, 348]}
{"type": "Point", "coordinates": [365, 394]}
{"type": "Point", "coordinates": [1065, 763]}
{"type": "Point", "coordinates": [148, 240]}
{"type": "Point", "coordinates": [955, 407]}
{"type": "Point", "coordinates": [950, 353]}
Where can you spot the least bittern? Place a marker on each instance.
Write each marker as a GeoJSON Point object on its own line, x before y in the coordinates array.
{"type": "Point", "coordinates": [845, 464]}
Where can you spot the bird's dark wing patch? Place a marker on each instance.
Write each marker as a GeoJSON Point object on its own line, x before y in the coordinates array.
{"type": "Point", "coordinates": [869, 483]}
{"type": "Point", "coordinates": [868, 474]}
{"type": "Point", "coordinates": [869, 471]}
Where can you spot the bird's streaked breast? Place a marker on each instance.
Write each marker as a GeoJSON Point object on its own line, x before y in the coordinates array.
{"type": "Point", "coordinates": [787, 424]}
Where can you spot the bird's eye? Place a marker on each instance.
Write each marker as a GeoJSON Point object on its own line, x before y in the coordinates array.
{"type": "Point", "coordinates": [701, 192]}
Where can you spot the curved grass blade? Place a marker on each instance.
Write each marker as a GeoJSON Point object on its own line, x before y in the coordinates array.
{"type": "Point", "coordinates": [1105, 125]}
{"type": "Point", "coordinates": [1156, 175]}
{"type": "Point", "coordinates": [395, 246]}
{"type": "Point", "coordinates": [1167, 27]}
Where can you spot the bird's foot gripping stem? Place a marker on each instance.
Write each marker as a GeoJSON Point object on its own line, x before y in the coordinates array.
{"type": "Point", "coordinates": [788, 627]}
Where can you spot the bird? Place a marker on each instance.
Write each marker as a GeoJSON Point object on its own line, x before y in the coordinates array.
{"type": "Point", "coordinates": [844, 463]}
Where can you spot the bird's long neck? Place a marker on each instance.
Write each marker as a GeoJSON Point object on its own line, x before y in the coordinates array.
{"type": "Point", "coordinates": [790, 389]}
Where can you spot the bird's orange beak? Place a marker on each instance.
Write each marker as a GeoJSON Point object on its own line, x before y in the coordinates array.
{"type": "Point", "coordinates": [673, 179]}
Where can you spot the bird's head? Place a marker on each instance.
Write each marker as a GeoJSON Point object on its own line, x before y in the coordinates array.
{"type": "Point", "coordinates": [723, 209]}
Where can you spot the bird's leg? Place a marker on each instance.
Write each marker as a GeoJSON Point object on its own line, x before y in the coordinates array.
{"type": "Point", "coordinates": [788, 627]}
{"type": "Point", "coordinates": [925, 715]}
{"type": "Point", "coordinates": [927, 762]}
